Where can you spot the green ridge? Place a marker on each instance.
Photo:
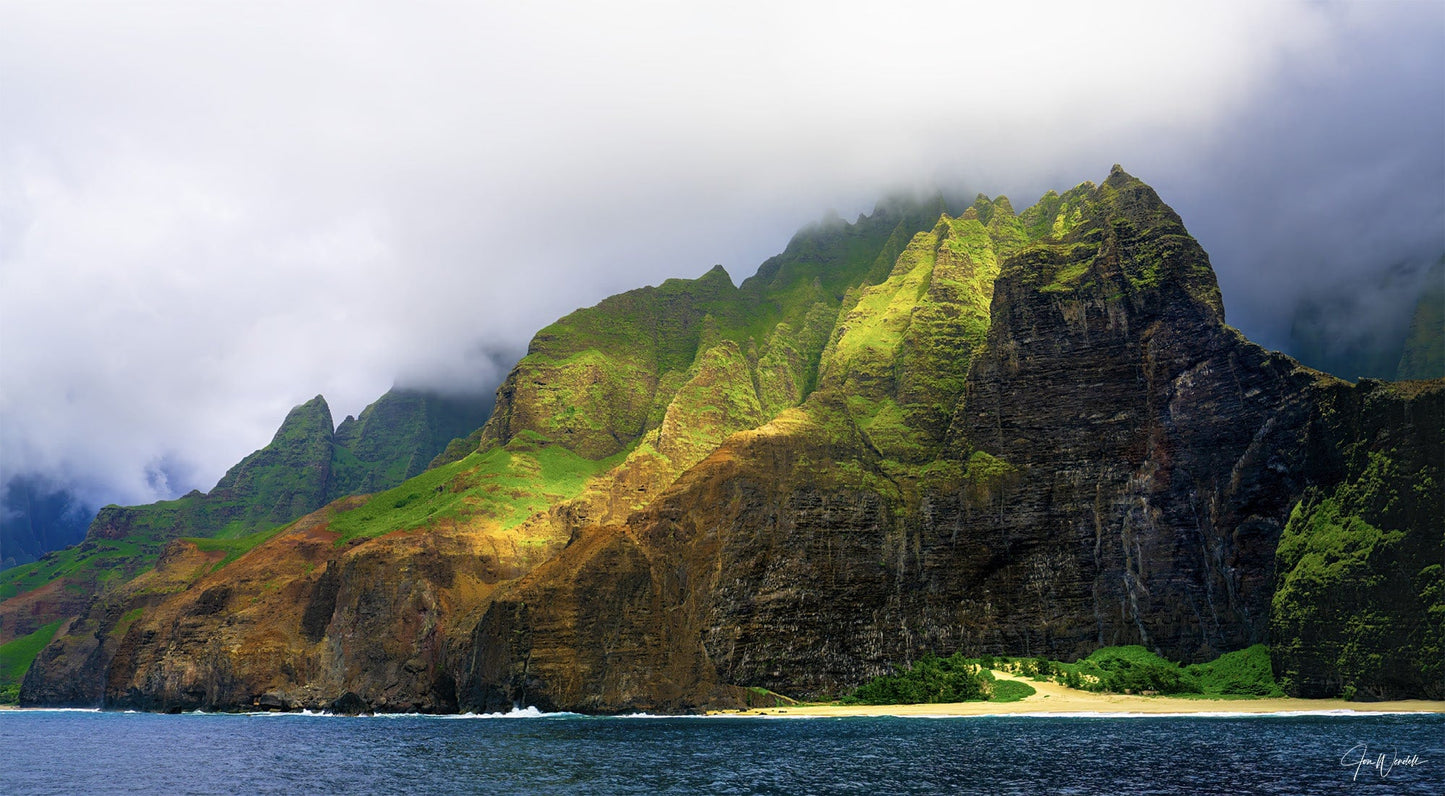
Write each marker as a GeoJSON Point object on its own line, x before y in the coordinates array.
{"type": "Point", "coordinates": [900, 353]}
{"type": "Point", "coordinates": [606, 379]}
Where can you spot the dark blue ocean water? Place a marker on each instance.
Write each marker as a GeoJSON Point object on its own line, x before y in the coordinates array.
{"type": "Point", "coordinates": [83, 752]}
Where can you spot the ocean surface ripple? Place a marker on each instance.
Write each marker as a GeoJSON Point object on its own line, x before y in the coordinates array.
{"type": "Point", "coordinates": [528, 752]}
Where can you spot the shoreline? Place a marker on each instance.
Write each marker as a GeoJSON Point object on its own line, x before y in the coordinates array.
{"type": "Point", "coordinates": [1128, 706]}
{"type": "Point", "coordinates": [1054, 699]}
{"type": "Point", "coordinates": [1142, 708]}
{"type": "Point", "coordinates": [1049, 699]}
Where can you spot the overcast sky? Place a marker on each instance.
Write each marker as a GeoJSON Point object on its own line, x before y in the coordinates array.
{"type": "Point", "coordinates": [210, 212]}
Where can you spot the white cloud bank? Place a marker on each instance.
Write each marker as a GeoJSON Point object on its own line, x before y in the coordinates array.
{"type": "Point", "coordinates": [211, 211]}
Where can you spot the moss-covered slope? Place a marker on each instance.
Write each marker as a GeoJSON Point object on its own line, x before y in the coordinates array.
{"type": "Point", "coordinates": [1359, 602]}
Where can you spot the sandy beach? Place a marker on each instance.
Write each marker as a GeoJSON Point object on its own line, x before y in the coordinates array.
{"type": "Point", "coordinates": [1055, 698]}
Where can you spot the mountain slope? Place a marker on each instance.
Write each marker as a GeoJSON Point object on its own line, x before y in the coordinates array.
{"type": "Point", "coordinates": [920, 433]}
{"type": "Point", "coordinates": [1118, 470]}
{"type": "Point", "coordinates": [516, 500]}
{"type": "Point", "coordinates": [305, 466]}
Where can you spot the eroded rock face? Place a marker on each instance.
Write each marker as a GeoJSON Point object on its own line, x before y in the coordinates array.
{"type": "Point", "coordinates": [299, 623]}
{"type": "Point", "coordinates": [1118, 471]}
{"type": "Point", "coordinates": [1157, 452]}
{"type": "Point", "coordinates": [1025, 434]}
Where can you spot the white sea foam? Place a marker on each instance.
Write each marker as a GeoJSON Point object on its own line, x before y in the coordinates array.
{"type": "Point", "coordinates": [49, 710]}
{"type": "Point", "coordinates": [528, 712]}
{"type": "Point", "coordinates": [646, 715]}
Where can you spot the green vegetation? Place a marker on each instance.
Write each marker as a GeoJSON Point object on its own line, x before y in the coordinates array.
{"type": "Point", "coordinates": [1125, 670]}
{"type": "Point", "coordinates": [1055, 215]}
{"type": "Point", "coordinates": [15, 659]}
{"type": "Point", "coordinates": [506, 484]}
{"type": "Point", "coordinates": [1110, 242]}
{"type": "Point", "coordinates": [1135, 670]}
{"type": "Point", "coordinates": [938, 680]}
{"type": "Point", "coordinates": [601, 378]}
{"type": "Point", "coordinates": [931, 679]}
{"type": "Point", "coordinates": [1068, 276]}
{"type": "Point", "coordinates": [901, 350]}
{"type": "Point", "coordinates": [1122, 670]}
{"type": "Point", "coordinates": [1009, 690]}
{"type": "Point", "coordinates": [89, 565]}
{"type": "Point", "coordinates": [718, 399]}
{"type": "Point", "coordinates": [276, 484]}
{"type": "Point", "coordinates": [1360, 601]}
{"type": "Point", "coordinates": [394, 438]}
{"type": "Point", "coordinates": [233, 547]}
{"type": "Point", "coordinates": [1244, 672]}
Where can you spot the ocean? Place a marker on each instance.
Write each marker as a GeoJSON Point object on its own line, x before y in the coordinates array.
{"type": "Point", "coordinates": [68, 752]}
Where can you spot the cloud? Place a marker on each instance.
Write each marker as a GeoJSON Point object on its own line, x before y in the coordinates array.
{"type": "Point", "coordinates": [1329, 186]}
{"type": "Point", "coordinates": [214, 211]}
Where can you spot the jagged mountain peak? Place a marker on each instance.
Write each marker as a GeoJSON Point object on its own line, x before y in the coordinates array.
{"type": "Point", "coordinates": [307, 419]}
{"type": "Point", "coordinates": [717, 272]}
{"type": "Point", "coordinates": [1115, 244]}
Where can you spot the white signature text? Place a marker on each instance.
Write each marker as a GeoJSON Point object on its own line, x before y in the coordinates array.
{"type": "Point", "coordinates": [1359, 757]}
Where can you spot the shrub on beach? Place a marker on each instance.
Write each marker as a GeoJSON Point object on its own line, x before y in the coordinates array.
{"type": "Point", "coordinates": [930, 679]}
{"type": "Point", "coordinates": [1127, 669]}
